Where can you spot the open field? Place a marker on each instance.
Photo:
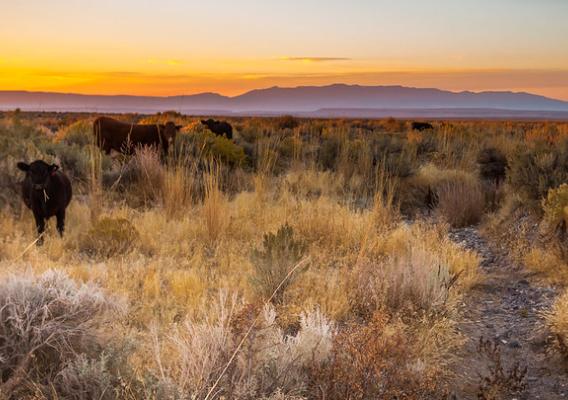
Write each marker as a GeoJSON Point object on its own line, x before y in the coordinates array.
{"type": "Point", "coordinates": [305, 259]}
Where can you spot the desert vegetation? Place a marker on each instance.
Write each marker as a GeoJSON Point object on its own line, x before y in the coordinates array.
{"type": "Point", "coordinates": [303, 259]}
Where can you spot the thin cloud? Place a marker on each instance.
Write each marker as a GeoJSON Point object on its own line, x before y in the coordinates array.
{"type": "Point", "coordinates": [314, 59]}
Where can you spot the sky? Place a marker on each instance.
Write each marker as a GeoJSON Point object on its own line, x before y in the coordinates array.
{"type": "Point", "coordinates": [171, 47]}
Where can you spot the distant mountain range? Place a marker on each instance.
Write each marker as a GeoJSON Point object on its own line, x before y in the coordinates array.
{"type": "Point", "coordinates": [324, 101]}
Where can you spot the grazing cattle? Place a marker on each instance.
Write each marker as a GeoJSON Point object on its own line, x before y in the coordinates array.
{"type": "Point", "coordinates": [219, 128]}
{"type": "Point", "coordinates": [421, 126]}
{"type": "Point", "coordinates": [123, 137]}
{"type": "Point", "coordinates": [47, 192]}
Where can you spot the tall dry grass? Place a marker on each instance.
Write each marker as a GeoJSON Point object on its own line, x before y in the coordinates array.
{"type": "Point", "coordinates": [557, 319]}
{"type": "Point", "coordinates": [214, 203]}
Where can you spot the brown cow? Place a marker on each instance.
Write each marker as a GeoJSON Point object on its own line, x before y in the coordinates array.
{"type": "Point", "coordinates": [123, 137]}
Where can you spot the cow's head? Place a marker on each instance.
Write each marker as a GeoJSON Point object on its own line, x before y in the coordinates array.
{"type": "Point", "coordinates": [38, 172]}
{"type": "Point", "coordinates": [207, 122]}
{"type": "Point", "coordinates": [169, 131]}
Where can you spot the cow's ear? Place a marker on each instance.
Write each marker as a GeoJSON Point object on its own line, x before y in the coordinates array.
{"type": "Point", "coordinates": [23, 166]}
{"type": "Point", "coordinates": [178, 127]}
{"type": "Point", "coordinates": [53, 168]}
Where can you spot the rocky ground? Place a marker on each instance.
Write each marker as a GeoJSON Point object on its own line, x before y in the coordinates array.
{"type": "Point", "coordinates": [508, 354]}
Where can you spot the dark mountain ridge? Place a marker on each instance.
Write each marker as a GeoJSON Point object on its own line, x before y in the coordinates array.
{"type": "Point", "coordinates": [298, 100]}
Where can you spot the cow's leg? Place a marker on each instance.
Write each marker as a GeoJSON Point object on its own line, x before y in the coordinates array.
{"type": "Point", "coordinates": [40, 225]}
{"type": "Point", "coordinates": [60, 221]}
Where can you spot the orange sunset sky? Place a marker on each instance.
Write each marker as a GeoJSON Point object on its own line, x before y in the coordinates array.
{"type": "Point", "coordinates": [171, 47]}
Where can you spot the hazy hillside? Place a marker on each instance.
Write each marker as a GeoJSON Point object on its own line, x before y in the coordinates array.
{"type": "Point", "coordinates": [299, 100]}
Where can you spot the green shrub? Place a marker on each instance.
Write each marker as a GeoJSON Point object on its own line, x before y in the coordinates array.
{"type": "Point", "coordinates": [207, 144]}
{"type": "Point", "coordinates": [78, 133]}
{"type": "Point", "coordinates": [109, 237]}
{"type": "Point", "coordinates": [280, 253]}
{"type": "Point", "coordinates": [18, 142]}
{"type": "Point", "coordinates": [73, 159]}
{"type": "Point", "coordinates": [555, 208]}
{"type": "Point", "coordinates": [227, 152]}
{"type": "Point", "coordinates": [535, 171]}
{"type": "Point", "coordinates": [492, 165]}
{"type": "Point", "coordinates": [328, 153]}
{"type": "Point", "coordinates": [555, 205]}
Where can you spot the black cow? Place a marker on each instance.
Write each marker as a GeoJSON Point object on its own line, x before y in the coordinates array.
{"type": "Point", "coordinates": [421, 126]}
{"type": "Point", "coordinates": [47, 192]}
{"type": "Point", "coordinates": [219, 128]}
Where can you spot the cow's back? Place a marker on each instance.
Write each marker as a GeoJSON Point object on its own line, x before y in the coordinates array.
{"type": "Point", "coordinates": [117, 135]}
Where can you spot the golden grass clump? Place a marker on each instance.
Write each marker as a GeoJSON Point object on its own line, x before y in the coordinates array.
{"type": "Point", "coordinates": [550, 265]}
{"type": "Point", "coordinates": [460, 196]}
{"type": "Point", "coordinates": [108, 237]}
{"type": "Point", "coordinates": [214, 204]}
{"type": "Point", "coordinates": [557, 319]}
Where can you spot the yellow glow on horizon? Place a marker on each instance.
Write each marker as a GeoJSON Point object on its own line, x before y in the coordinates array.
{"type": "Point", "coordinates": [169, 76]}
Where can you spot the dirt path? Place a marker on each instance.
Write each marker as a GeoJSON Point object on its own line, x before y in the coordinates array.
{"type": "Point", "coordinates": [504, 310]}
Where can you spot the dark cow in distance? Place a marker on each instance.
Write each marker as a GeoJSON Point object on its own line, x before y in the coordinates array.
{"type": "Point", "coordinates": [47, 192]}
{"type": "Point", "coordinates": [219, 128]}
{"type": "Point", "coordinates": [111, 134]}
{"type": "Point", "coordinates": [421, 126]}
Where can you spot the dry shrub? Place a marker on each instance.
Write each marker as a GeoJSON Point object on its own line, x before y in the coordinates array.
{"type": "Point", "coordinates": [548, 263]}
{"type": "Point", "coordinates": [148, 173]}
{"type": "Point", "coordinates": [385, 211]}
{"type": "Point", "coordinates": [84, 378]}
{"type": "Point", "coordinates": [555, 206]}
{"type": "Point", "coordinates": [501, 382]}
{"type": "Point", "coordinates": [492, 164]}
{"type": "Point", "coordinates": [274, 263]}
{"type": "Point", "coordinates": [278, 395]}
{"type": "Point", "coordinates": [287, 122]}
{"type": "Point", "coordinates": [309, 183]}
{"type": "Point", "coordinates": [78, 133]}
{"type": "Point", "coordinates": [180, 187]}
{"type": "Point", "coordinates": [374, 361]}
{"type": "Point", "coordinates": [267, 159]}
{"type": "Point", "coordinates": [557, 320]}
{"type": "Point", "coordinates": [419, 268]}
{"type": "Point", "coordinates": [415, 278]}
{"type": "Point", "coordinates": [534, 171]}
{"type": "Point", "coordinates": [550, 256]}
{"type": "Point", "coordinates": [459, 195]}
{"type": "Point", "coordinates": [49, 327]}
{"type": "Point", "coordinates": [555, 222]}
{"type": "Point", "coordinates": [268, 363]}
{"type": "Point", "coordinates": [461, 203]}
{"type": "Point", "coordinates": [146, 181]}
{"type": "Point", "coordinates": [108, 237]}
